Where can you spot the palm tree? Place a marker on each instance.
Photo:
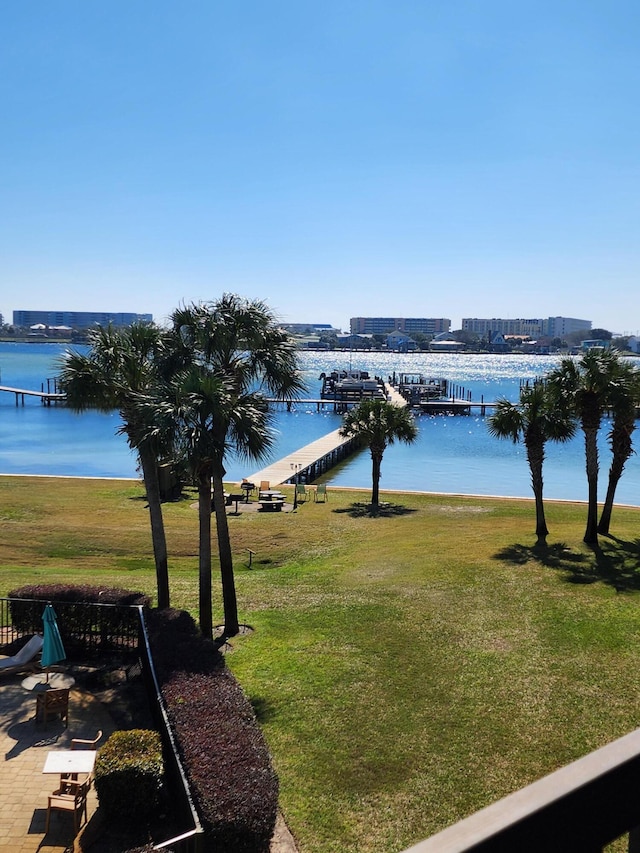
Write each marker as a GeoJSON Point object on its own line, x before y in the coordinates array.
{"type": "Point", "coordinates": [122, 364]}
{"type": "Point", "coordinates": [585, 385]}
{"type": "Point", "coordinates": [238, 356]}
{"type": "Point", "coordinates": [624, 394]}
{"type": "Point", "coordinates": [535, 420]}
{"type": "Point", "coordinates": [379, 424]}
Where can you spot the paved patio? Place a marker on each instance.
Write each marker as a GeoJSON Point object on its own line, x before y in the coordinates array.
{"type": "Point", "coordinates": [23, 786]}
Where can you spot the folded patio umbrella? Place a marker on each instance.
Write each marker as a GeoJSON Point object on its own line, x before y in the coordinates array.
{"type": "Point", "coordinates": [52, 648]}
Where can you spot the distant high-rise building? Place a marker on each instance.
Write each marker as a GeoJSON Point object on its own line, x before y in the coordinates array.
{"type": "Point", "coordinates": [553, 327]}
{"type": "Point", "coordinates": [78, 319]}
{"type": "Point", "coordinates": [408, 325]}
{"type": "Point", "coordinates": [558, 327]}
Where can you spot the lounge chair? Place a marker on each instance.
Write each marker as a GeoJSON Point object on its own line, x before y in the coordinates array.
{"type": "Point", "coordinates": [25, 659]}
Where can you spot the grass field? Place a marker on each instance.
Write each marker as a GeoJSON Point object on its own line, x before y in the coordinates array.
{"type": "Point", "coordinates": [407, 669]}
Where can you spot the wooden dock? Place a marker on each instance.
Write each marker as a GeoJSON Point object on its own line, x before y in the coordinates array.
{"type": "Point", "coordinates": [47, 397]}
{"type": "Point", "coordinates": [453, 407]}
{"type": "Point", "coordinates": [309, 462]}
{"type": "Point", "coordinates": [316, 458]}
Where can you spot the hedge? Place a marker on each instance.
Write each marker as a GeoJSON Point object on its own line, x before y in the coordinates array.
{"type": "Point", "coordinates": [224, 752]}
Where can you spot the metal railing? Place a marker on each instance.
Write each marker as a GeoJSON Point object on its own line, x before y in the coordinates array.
{"type": "Point", "coordinates": [87, 628]}
{"type": "Point", "coordinates": [580, 808]}
{"type": "Point", "coordinates": [190, 841]}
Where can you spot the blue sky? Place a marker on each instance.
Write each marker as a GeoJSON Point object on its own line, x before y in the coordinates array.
{"type": "Point", "coordinates": [435, 158]}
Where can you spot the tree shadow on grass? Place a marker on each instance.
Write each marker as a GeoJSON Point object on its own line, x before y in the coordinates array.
{"type": "Point", "coordinates": [262, 708]}
{"type": "Point", "coordinates": [615, 563]}
{"type": "Point", "coordinates": [383, 510]}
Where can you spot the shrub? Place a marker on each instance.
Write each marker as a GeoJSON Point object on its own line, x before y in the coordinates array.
{"type": "Point", "coordinates": [224, 752]}
{"type": "Point", "coordinates": [128, 775]}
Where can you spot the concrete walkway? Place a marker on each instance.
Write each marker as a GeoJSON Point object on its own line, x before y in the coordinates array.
{"type": "Point", "coordinates": [24, 788]}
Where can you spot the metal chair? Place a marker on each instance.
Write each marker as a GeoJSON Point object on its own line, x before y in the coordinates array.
{"type": "Point", "coordinates": [301, 492]}
{"type": "Point", "coordinates": [320, 495]}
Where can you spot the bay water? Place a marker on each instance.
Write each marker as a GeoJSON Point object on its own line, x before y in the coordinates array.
{"type": "Point", "coordinates": [453, 454]}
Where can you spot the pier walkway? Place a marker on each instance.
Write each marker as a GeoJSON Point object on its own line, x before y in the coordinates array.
{"type": "Point", "coordinates": [47, 397]}
{"type": "Point", "coordinates": [309, 462]}
{"type": "Point", "coordinates": [316, 458]}
{"type": "Point", "coordinates": [393, 395]}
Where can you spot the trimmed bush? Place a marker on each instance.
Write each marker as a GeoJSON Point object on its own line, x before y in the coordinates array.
{"type": "Point", "coordinates": [224, 752]}
{"type": "Point", "coordinates": [129, 775]}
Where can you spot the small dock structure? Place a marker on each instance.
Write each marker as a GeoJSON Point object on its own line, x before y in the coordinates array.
{"type": "Point", "coordinates": [46, 397]}
{"type": "Point", "coordinates": [435, 396]}
{"type": "Point", "coordinates": [344, 387]}
{"type": "Point", "coordinates": [417, 388]}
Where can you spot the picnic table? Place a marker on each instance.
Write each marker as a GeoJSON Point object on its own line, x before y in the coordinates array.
{"type": "Point", "coordinates": [271, 500]}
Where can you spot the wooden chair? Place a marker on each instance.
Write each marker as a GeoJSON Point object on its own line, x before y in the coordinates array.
{"type": "Point", "coordinates": [68, 779]}
{"type": "Point", "coordinates": [71, 799]}
{"type": "Point", "coordinates": [81, 743]}
{"type": "Point", "coordinates": [264, 486]}
{"type": "Point", "coordinates": [51, 704]}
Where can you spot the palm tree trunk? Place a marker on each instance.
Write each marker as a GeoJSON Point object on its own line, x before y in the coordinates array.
{"type": "Point", "coordinates": [622, 447]}
{"type": "Point", "coordinates": [376, 463]}
{"type": "Point", "coordinates": [605, 516]}
{"type": "Point", "coordinates": [149, 465]}
{"type": "Point", "coordinates": [204, 550]}
{"type": "Point", "coordinates": [535, 457]}
{"type": "Point", "coordinates": [229, 600]}
{"type": "Point", "coordinates": [591, 453]}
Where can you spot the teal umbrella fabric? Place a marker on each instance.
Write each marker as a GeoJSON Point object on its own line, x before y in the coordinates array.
{"type": "Point", "coordinates": [52, 648]}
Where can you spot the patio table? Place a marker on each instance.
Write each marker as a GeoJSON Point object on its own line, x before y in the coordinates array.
{"type": "Point", "coordinates": [63, 761]}
{"type": "Point", "coordinates": [56, 681]}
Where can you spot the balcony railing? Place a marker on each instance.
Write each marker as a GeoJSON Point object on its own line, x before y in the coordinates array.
{"type": "Point", "coordinates": [580, 808]}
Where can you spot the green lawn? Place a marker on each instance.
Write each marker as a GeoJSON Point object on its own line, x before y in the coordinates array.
{"type": "Point", "coordinates": [407, 669]}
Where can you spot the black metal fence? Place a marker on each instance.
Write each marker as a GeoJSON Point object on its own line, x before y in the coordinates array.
{"type": "Point", "coordinates": [87, 629]}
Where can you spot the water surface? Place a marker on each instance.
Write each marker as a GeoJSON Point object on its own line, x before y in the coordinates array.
{"type": "Point", "coordinates": [452, 454]}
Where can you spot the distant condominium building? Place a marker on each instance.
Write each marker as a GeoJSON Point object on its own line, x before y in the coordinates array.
{"type": "Point", "coordinates": [306, 328]}
{"type": "Point", "coordinates": [408, 325]}
{"type": "Point", "coordinates": [78, 319]}
{"type": "Point", "coordinates": [558, 327]}
{"type": "Point", "coordinates": [554, 327]}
